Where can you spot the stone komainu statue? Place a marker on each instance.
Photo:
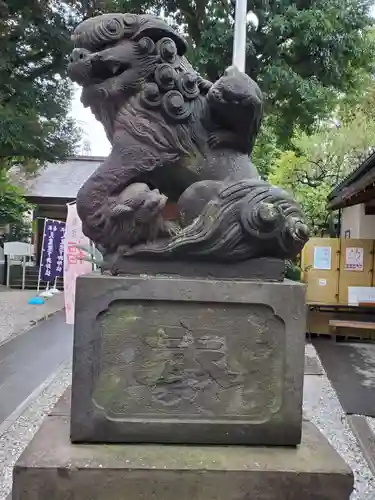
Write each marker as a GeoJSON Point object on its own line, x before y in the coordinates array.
{"type": "Point", "coordinates": [174, 135]}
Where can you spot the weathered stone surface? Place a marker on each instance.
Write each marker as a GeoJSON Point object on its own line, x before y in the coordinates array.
{"type": "Point", "coordinates": [170, 360]}
{"type": "Point", "coordinates": [267, 269]}
{"type": "Point", "coordinates": [54, 469]}
{"type": "Point", "coordinates": [188, 138]}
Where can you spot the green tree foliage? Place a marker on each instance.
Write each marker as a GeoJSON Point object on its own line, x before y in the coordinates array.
{"type": "Point", "coordinates": [303, 54]}
{"type": "Point", "coordinates": [35, 93]}
{"type": "Point", "coordinates": [291, 172]}
{"type": "Point", "coordinates": [12, 203]}
{"type": "Point", "coordinates": [266, 149]}
{"type": "Point", "coordinates": [320, 161]}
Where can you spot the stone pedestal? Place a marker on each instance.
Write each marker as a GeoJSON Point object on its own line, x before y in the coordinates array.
{"type": "Point", "coordinates": [161, 359]}
{"type": "Point", "coordinates": [54, 469]}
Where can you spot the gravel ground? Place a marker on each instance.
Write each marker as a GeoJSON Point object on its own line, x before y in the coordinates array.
{"type": "Point", "coordinates": [17, 315]}
{"type": "Point", "coordinates": [321, 406]}
{"type": "Point", "coordinates": [371, 423]}
{"type": "Point", "coordinates": [19, 434]}
{"type": "Point", "coordinates": [369, 356]}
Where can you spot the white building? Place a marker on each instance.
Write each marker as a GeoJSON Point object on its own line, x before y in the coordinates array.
{"type": "Point", "coordinates": [355, 198]}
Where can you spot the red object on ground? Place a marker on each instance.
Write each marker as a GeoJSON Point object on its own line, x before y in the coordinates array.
{"type": "Point", "coordinates": [170, 211]}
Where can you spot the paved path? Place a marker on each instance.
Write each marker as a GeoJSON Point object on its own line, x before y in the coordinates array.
{"type": "Point", "coordinates": [17, 316]}
{"type": "Point", "coordinates": [29, 359]}
{"type": "Point", "coordinates": [351, 370]}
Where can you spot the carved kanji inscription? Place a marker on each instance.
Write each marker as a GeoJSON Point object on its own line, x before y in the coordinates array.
{"type": "Point", "coordinates": [190, 360]}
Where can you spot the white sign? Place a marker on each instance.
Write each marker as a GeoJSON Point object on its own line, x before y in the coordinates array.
{"type": "Point", "coordinates": [74, 265]}
{"type": "Point", "coordinates": [322, 258]}
{"type": "Point", "coordinates": [18, 248]}
{"type": "Point", "coordinates": [354, 259]}
{"type": "Point", "coordinates": [357, 294]}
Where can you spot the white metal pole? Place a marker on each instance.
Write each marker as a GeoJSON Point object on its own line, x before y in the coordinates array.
{"type": "Point", "coordinates": [8, 271]}
{"type": "Point", "coordinates": [239, 42]}
{"type": "Point", "coordinates": [93, 251]}
{"type": "Point", "coordinates": [53, 220]}
{"type": "Point", "coordinates": [23, 271]}
{"type": "Point", "coordinates": [41, 256]}
{"type": "Point", "coordinates": [39, 275]}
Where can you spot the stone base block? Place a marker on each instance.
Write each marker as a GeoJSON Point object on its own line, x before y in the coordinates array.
{"type": "Point", "coordinates": [265, 268]}
{"type": "Point", "coordinates": [54, 469]}
{"type": "Point", "coordinates": [177, 360]}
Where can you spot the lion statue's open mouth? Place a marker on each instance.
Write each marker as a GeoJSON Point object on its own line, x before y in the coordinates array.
{"type": "Point", "coordinates": [90, 68]}
{"type": "Point", "coordinates": [107, 46]}
{"type": "Point", "coordinates": [104, 69]}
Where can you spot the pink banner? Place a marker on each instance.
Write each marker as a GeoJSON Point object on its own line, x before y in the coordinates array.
{"type": "Point", "coordinates": [74, 266]}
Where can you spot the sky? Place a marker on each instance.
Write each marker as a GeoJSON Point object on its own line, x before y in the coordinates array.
{"type": "Point", "coordinates": [93, 130]}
